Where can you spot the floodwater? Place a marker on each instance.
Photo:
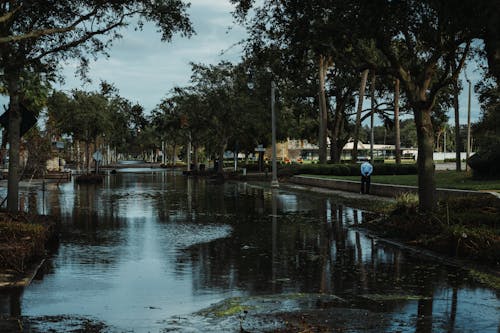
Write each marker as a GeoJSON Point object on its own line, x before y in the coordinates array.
{"type": "Point", "coordinates": [151, 245]}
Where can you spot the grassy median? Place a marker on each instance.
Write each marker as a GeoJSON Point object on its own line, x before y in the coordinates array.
{"type": "Point", "coordinates": [444, 179]}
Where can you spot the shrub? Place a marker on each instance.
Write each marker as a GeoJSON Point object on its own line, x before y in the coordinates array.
{"type": "Point", "coordinates": [407, 203]}
{"type": "Point", "coordinates": [252, 166]}
{"type": "Point", "coordinates": [485, 165]}
{"type": "Point", "coordinates": [20, 244]}
{"type": "Point", "coordinates": [347, 169]}
{"type": "Point", "coordinates": [89, 179]}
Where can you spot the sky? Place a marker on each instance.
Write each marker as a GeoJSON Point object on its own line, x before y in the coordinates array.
{"type": "Point", "coordinates": [144, 69]}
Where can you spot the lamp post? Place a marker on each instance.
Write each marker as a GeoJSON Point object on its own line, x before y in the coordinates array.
{"type": "Point", "coordinates": [250, 84]}
{"type": "Point", "coordinates": [468, 128]}
{"type": "Point", "coordinates": [274, 181]}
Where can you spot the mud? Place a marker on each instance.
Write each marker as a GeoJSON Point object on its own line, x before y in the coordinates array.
{"type": "Point", "coordinates": [296, 313]}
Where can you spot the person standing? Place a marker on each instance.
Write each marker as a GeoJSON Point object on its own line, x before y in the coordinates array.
{"type": "Point", "coordinates": [366, 172]}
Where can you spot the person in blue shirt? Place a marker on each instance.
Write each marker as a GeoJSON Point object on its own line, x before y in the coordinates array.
{"type": "Point", "coordinates": [366, 172]}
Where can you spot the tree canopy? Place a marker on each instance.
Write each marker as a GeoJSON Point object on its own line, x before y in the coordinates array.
{"type": "Point", "coordinates": [35, 36]}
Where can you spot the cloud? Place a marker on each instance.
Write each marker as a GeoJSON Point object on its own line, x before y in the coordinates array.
{"type": "Point", "coordinates": [144, 69]}
{"type": "Point", "coordinates": [219, 5]}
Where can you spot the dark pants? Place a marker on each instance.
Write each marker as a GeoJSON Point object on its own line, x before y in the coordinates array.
{"type": "Point", "coordinates": [365, 184]}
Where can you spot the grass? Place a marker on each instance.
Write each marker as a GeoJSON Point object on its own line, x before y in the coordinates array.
{"type": "Point", "coordinates": [444, 179]}
{"type": "Point", "coordinates": [459, 227]}
{"type": "Point", "coordinates": [226, 308]}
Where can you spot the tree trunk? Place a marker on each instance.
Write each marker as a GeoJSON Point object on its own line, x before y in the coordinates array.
{"type": "Point", "coordinates": [323, 114]}
{"type": "Point", "coordinates": [220, 167]}
{"type": "Point", "coordinates": [397, 129]}
{"type": "Point", "coordinates": [14, 142]}
{"type": "Point", "coordinates": [372, 114]}
{"type": "Point", "coordinates": [87, 157]}
{"type": "Point", "coordinates": [425, 162]}
{"type": "Point", "coordinates": [335, 149]}
{"type": "Point", "coordinates": [261, 161]}
{"type": "Point", "coordinates": [174, 155]}
{"type": "Point", "coordinates": [195, 157]}
{"type": "Point", "coordinates": [78, 156]}
{"type": "Point", "coordinates": [188, 155]}
{"type": "Point", "coordinates": [458, 146]}
{"type": "Point", "coordinates": [364, 78]}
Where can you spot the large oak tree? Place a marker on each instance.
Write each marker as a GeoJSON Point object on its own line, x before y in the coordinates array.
{"type": "Point", "coordinates": [417, 42]}
{"type": "Point", "coordinates": [38, 35]}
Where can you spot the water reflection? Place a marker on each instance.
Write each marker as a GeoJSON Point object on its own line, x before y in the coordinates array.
{"type": "Point", "coordinates": [145, 246]}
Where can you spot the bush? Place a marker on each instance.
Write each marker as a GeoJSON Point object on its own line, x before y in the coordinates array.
{"type": "Point", "coordinates": [485, 165]}
{"type": "Point", "coordinates": [252, 166]}
{"type": "Point", "coordinates": [406, 203]}
{"type": "Point", "coordinates": [394, 169]}
{"type": "Point", "coordinates": [20, 244]}
{"type": "Point", "coordinates": [461, 227]}
{"type": "Point", "coordinates": [89, 179]}
{"type": "Point", "coordinates": [347, 169]}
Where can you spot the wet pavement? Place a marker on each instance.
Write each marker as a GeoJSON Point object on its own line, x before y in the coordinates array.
{"type": "Point", "coordinates": [153, 251]}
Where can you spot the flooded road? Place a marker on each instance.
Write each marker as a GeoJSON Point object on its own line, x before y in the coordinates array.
{"type": "Point", "coordinates": [150, 245]}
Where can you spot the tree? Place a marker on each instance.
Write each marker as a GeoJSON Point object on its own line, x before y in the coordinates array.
{"type": "Point", "coordinates": [179, 118]}
{"type": "Point", "coordinates": [82, 115]}
{"type": "Point", "coordinates": [345, 84]}
{"type": "Point", "coordinates": [419, 43]}
{"type": "Point", "coordinates": [408, 134]}
{"type": "Point", "coordinates": [38, 145]}
{"type": "Point", "coordinates": [36, 35]}
{"type": "Point", "coordinates": [168, 126]}
{"type": "Point", "coordinates": [218, 86]}
{"type": "Point", "coordinates": [306, 34]}
{"type": "Point", "coordinates": [485, 163]}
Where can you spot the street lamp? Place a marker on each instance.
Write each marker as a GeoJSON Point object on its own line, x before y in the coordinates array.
{"type": "Point", "coordinates": [251, 85]}
{"type": "Point", "coordinates": [468, 128]}
{"type": "Point", "coordinates": [274, 181]}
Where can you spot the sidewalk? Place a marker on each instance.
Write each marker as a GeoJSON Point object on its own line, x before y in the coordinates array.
{"type": "Point", "coordinates": [383, 190]}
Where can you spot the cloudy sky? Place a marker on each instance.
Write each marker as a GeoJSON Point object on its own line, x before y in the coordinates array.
{"type": "Point", "coordinates": [145, 69]}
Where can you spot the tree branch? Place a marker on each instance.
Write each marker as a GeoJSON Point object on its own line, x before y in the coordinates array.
{"type": "Point", "coordinates": [48, 31]}
{"type": "Point", "coordinates": [8, 15]}
{"type": "Point", "coordinates": [34, 34]}
{"type": "Point", "coordinates": [404, 76]}
{"type": "Point", "coordinates": [88, 35]}
{"type": "Point", "coordinates": [446, 79]}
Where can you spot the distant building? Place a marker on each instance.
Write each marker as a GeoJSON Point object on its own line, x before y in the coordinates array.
{"type": "Point", "coordinates": [294, 150]}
